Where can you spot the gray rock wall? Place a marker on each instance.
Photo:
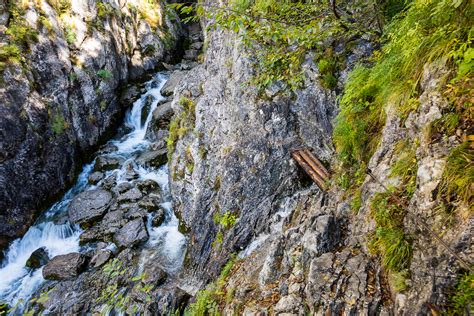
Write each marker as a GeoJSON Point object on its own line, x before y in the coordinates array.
{"type": "Point", "coordinates": [310, 250]}
{"type": "Point", "coordinates": [62, 100]}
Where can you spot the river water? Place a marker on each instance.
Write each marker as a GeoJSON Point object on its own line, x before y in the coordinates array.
{"type": "Point", "coordinates": [18, 284]}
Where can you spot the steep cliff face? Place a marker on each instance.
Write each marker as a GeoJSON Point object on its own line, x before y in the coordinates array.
{"type": "Point", "coordinates": [62, 64]}
{"type": "Point", "coordinates": [300, 249]}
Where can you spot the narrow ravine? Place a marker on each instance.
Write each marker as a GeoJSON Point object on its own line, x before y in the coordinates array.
{"type": "Point", "coordinates": [59, 236]}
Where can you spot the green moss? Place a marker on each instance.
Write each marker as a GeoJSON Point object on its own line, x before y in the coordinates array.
{"type": "Point", "coordinates": [104, 10]}
{"type": "Point", "coordinates": [356, 201]}
{"type": "Point", "coordinates": [226, 220]}
{"type": "Point", "coordinates": [19, 37]}
{"type": "Point", "coordinates": [219, 239]}
{"type": "Point", "coordinates": [61, 6]}
{"type": "Point", "coordinates": [44, 21]}
{"type": "Point", "coordinates": [9, 54]}
{"type": "Point", "coordinates": [180, 124]}
{"type": "Point", "coordinates": [70, 33]}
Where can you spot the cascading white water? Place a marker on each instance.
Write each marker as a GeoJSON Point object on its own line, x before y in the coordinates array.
{"type": "Point", "coordinates": [17, 283]}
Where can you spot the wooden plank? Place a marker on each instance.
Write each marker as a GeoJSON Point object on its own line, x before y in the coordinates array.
{"type": "Point", "coordinates": [320, 166]}
{"type": "Point", "coordinates": [306, 167]}
{"type": "Point", "coordinates": [313, 165]}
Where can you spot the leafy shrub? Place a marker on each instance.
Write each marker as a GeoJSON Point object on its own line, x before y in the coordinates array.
{"type": "Point", "coordinates": [104, 10]}
{"type": "Point", "coordinates": [280, 33]}
{"type": "Point", "coordinates": [61, 6]}
{"type": "Point", "coordinates": [70, 34]}
{"type": "Point", "coordinates": [59, 124]}
{"type": "Point", "coordinates": [226, 220]}
{"type": "Point", "coordinates": [44, 21]}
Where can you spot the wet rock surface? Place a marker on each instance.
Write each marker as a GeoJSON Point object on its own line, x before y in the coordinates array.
{"type": "Point", "coordinates": [38, 258]}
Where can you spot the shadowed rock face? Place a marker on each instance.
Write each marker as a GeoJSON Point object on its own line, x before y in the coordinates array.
{"type": "Point", "coordinates": [64, 101]}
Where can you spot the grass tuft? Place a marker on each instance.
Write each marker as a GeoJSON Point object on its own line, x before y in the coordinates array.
{"type": "Point", "coordinates": [457, 181]}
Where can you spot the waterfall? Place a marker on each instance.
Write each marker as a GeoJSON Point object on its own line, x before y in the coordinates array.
{"type": "Point", "coordinates": [18, 283]}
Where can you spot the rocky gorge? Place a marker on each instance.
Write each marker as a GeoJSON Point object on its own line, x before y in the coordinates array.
{"type": "Point", "coordinates": [195, 206]}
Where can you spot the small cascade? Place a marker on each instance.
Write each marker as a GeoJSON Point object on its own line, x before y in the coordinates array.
{"type": "Point", "coordinates": [57, 235]}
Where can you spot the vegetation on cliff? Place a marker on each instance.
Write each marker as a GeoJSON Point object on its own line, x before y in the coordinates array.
{"type": "Point", "coordinates": [408, 36]}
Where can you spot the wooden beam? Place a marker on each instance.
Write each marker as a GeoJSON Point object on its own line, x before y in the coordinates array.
{"type": "Point", "coordinates": [315, 164]}
{"type": "Point", "coordinates": [307, 168]}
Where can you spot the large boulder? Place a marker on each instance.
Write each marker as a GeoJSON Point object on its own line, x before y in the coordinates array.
{"type": "Point", "coordinates": [89, 206]}
{"type": "Point", "coordinates": [38, 258]}
{"type": "Point", "coordinates": [65, 267]}
{"type": "Point", "coordinates": [131, 234]}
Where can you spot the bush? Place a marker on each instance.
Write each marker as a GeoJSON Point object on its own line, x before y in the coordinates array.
{"type": "Point", "coordinates": [59, 124]}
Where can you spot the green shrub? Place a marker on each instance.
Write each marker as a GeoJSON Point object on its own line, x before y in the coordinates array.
{"type": "Point", "coordinates": [61, 6]}
{"type": "Point", "coordinates": [9, 54]}
{"type": "Point", "coordinates": [44, 21]}
{"type": "Point", "coordinates": [327, 68]}
{"type": "Point", "coordinates": [70, 35]}
{"type": "Point", "coordinates": [226, 220]}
